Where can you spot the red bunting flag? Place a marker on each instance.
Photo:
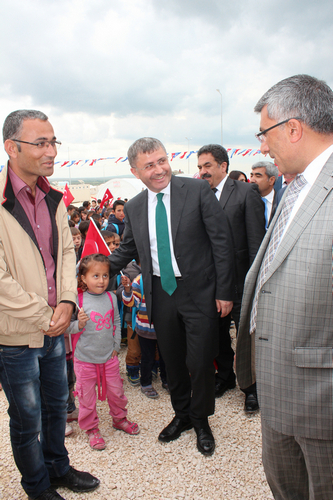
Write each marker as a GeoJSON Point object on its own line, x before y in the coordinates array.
{"type": "Point", "coordinates": [67, 196]}
{"type": "Point", "coordinates": [94, 242]}
{"type": "Point", "coordinates": [107, 196]}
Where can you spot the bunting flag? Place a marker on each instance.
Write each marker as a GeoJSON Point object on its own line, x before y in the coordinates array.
{"type": "Point", "coordinates": [107, 196]}
{"type": "Point", "coordinates": [67, 196]}
{"type": "Point", "coordinates": [94, 242]}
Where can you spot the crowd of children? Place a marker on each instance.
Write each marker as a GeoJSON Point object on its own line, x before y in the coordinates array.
{"type": "Point", "coordinates": [107, 308]}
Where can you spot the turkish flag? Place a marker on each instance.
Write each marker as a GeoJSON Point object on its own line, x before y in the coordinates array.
{"type": "Point", "coordinates": [107, 196]}
{"type": "Point", "coordinates": [94, 242]}
{"type": "Point", "coordinates": [67, 196]}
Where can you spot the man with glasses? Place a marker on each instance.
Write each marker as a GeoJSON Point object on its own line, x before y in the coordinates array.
{"type": "Point", "coordinates": [37, 297]}
{"type": "Point", "coordinates": [181, 234]}
{"type": "Point", "coordinates": [285, 339]}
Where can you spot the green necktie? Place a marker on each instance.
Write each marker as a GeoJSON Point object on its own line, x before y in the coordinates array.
{"type": "Point", "coordinates": [168, 280]}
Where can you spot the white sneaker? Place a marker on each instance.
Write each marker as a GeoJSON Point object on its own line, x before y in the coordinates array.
{"type": "Point", "coordinates": [68, 430]}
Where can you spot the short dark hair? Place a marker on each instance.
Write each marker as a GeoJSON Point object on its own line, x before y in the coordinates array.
{"type": "Point", "coordinates": [118, 202]}
{"type": "Point", "coordinates": [218, 152]}
{"type": "Point", "coordinates": [13, 123]}
{"type": "Point", "coordinates": [86, 204]}
{"type": "Point", "coordinates": [235, 175]}
{"type": "Point", "coordinates": [83, 227]}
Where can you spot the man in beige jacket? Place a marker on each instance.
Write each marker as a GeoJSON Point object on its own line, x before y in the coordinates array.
{"type": "Point", "coordinates": [37, 296]}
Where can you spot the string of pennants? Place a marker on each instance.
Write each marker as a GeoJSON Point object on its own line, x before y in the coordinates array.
{"type": "Point", "coordinates": [180, 156]}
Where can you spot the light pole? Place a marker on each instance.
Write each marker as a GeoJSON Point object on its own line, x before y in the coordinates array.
{"type": "Point", "coordinates": [217, 90]}
{"type": "Point", "coordinates": [188, 150]}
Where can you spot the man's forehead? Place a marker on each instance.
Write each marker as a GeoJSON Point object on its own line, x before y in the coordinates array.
{"type": "Point", "coordinates": [42, 129]}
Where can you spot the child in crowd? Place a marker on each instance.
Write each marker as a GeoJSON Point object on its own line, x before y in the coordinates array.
{"type": "Point", "coordinates": [83, 228]}
{"type": "Point", "coordinates": [116, 222]}
{"type": "Point", "coordinates": [75, 217]}
{"type": "Point", "coordinates": [77, 240]}
{"type": "Point", "coordinates": [133, 296]}
{"type": "Point", "coordinates": [96, 350]}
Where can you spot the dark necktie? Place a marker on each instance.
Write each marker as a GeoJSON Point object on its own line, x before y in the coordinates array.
{"type": "Point", "coordinates": [168, 280]}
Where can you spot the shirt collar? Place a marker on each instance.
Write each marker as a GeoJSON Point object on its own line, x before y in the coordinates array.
{"type": "Point", "coordinates": [152, 194]}
{"type": "Point", "coordinates": [18, 184]}
{"type": "Point", "coordinates": [313, 169]}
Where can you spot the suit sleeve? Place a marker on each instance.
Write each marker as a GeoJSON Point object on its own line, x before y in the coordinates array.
{"type": "Point", "coordinates": [217, 228]}
{"type": "Point", "coordinates": [254, 221]}
{"type": "Point", "coordinates": [127, 251]}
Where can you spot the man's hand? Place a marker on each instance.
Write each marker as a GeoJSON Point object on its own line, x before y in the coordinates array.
{"type": "Point", "coordinates": [60, 320]}
{"type": "Point", "coordinates": [224, 307]}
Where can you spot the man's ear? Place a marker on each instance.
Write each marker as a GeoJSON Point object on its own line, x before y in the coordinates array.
{"type": "Point", "coordinates": [295, 130]}
{"type": "Point", "coordinates": [11, 148]}
{"type": "Point", "coordinates": [135, 172]}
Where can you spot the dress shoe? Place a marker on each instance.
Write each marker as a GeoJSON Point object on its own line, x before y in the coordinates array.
{"type": "Point", "coordinates": [76, 481]}
{"type": "Point", "coordinates": [205, 440]}
{"type": "Point", "coordinates": [221, 386]}
{"type": "Point", "coordinates": [49, 494]}
{"type": "Point", "coordinates": [251, 403]}
{"type": "Point", "coordinates": [174, 429]}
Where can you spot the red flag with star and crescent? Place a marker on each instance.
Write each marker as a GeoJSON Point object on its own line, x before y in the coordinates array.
{"type": "Point", "coordinates": [107, 196]}
{"type": "Point", "coordinates": [67, 196]}
{"type": "Point", "coordinates": [94, 242]}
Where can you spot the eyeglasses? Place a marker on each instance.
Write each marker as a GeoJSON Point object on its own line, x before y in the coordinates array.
{"type": "Point", "coordinates": [161, 162]}
{"type": "Point", "coordinates": [261, 135]}
{"type": "Point", "coordinates": [42, 144]}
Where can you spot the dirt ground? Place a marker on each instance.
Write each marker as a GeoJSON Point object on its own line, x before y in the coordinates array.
{"type": "Point", "coordinates": [140, 467]}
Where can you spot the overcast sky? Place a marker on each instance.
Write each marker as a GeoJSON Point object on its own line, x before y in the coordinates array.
{"type": "Point", "coordinates": [107, 72]}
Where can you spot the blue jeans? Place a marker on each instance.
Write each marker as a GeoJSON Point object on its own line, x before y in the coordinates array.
{"type": "Point", "coordinates": [35, 383]}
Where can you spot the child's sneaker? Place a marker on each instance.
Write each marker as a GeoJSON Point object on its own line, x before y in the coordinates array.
{"type": "Point", "coordinates": [125, 425]}
{"type": "Point", "coordinates": [95, 440]}
{"type": "Point", "coordinates": [133, 375]}
{"type": "Point", "coordinates": [150, 392]}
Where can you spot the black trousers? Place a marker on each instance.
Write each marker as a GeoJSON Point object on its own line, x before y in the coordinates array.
{"type": "Point", "coordinates": [188, 342]}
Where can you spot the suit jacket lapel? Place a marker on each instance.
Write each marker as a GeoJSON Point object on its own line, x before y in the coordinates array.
{"type": "Point", "coordinates": [226, 191]}
{"type": "Point", "coordinates": [311, 204]}
{"type": "Point", "coordinates": [178, 193]}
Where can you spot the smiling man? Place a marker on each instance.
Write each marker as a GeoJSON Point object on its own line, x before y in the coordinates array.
{"type": "Point", "coordinates": [37, 296]}
{"type": "Point", "coordinates": [181, 235]}
{"type": "Point", "coordinates": [285, 339]}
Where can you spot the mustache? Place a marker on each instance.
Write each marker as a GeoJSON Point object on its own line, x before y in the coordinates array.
{"type": "Point", "coordinates": [206, 176]}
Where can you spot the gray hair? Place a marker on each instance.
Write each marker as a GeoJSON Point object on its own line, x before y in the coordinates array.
{"type": "Point", "coordinates": [303, 97]}
{"type": "Point", "coordinates": [271, 169]}
{"type": "Point", "coordinates": [143, 145]}
{"type": "Point", "coordinates": [13, 123]}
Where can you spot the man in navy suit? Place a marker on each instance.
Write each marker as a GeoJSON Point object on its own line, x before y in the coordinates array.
{"type": "Point", "coordinates": [197, 239]}
{"type": "Point", "coordinates": [244, 208]}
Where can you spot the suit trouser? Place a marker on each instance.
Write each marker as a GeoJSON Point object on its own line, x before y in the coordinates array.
{"type": "Point", "coordinates": [297, 468]}
{"type": "Point", "coordinates": [188, 342]}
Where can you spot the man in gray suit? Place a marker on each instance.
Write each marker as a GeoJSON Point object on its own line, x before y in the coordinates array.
{"type": "Point", "coordinates": [187, 280]}
{"type": "Point", "coordinates": [285, 339]}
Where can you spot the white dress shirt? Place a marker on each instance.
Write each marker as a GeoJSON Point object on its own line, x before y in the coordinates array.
{"type": "Point", "coordinates": [220, 187]}
{"type": "Point", "coordinates": [152, 202]}
{"type": "Point", "coordinates": [269, 203]}
{"type": "Point", "coordinates": [310, 173]}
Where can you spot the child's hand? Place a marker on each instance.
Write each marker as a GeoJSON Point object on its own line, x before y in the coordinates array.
{"type": "Point", "coordinates": [114, 354]}
{"type": "Point", "coordinates": [126, 282]}
{"type": "Point", "coordinates": [83, 318]}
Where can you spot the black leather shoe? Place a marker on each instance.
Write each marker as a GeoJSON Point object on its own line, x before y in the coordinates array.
{"type": "Point", "coordinates": [205, 440]}
{"type": "Point", "coordinates": [49, 494]}
{"type": "Point", "coordinates": [221, 386]}
{"type": "Point", "coordinates": [174, 429]}
{"type": "Point", "coordinates": [76, 481]}
{"type": "Point", "coordinates": [251, 403]}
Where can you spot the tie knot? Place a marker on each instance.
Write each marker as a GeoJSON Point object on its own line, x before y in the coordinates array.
{"type": "Point", "coordinates": [300, 181]}
{"type": "Point", "coordinates": [159, 196]}
{"type": "Point", "coordinates": [214, 190]}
